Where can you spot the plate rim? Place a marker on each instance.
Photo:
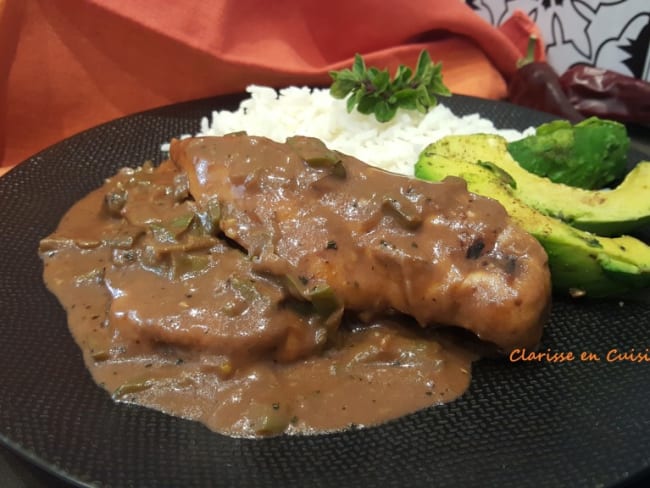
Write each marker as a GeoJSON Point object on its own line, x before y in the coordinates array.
{"type": "Point", "coordinates": [33, 458]}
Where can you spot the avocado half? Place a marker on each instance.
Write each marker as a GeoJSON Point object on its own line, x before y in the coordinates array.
{"type": "Point", "coordinates": [581, 263]}
{"type": "Point", "coordinates": [603, 212]}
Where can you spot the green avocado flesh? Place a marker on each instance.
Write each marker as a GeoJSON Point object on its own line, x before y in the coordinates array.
{"type": "Point", "coordinates": [603, 212]}
{"type": "Point", "coordinates": [581, 263]}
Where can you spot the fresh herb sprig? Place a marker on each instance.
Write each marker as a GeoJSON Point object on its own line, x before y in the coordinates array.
{"type": "Point", "coordinates": [372, 91]}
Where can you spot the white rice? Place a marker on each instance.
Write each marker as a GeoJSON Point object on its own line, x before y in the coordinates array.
{"type": "Point", "coordinates": [393, 145]}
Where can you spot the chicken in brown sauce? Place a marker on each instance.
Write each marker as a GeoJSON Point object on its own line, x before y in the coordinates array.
{"type": "Point", "coordinates": [380, 241]}
{"type": "Point", "coordinates": [263, 288]}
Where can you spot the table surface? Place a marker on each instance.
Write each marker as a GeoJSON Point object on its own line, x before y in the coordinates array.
{"type": "Point", "coordinates": [16, 472]}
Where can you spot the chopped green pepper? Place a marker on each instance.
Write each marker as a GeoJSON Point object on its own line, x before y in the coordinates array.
{"type": "Point", "coordinates": [317, 155]}
{"type": "Point", "coordinates": [268, 419]}
{"type": "Point", "coordinates": [324, 300]}
{"type": "Point", "coordinates": [404, 211]}
{"type": "Point", "coordinates": [187, 264]}
{"type": "Point", "coordinates": [132, 387]}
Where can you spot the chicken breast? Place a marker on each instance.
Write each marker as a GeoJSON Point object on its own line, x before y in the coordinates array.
{"type": "Point", "coordinates": [333, 227]}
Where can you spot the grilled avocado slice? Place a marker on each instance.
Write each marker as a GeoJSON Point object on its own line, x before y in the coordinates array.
{"type": "Point", "coordinates": [603, 212]}
{"type": "Point", "coordinates": [590, 154]}
{"type": "Point", "coordinates": [581, 263]}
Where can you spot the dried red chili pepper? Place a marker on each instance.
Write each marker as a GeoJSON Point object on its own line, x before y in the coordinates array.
{"type": "Point", "coordinates": [536, 85]}
{"type": "Point", "coordinates": [607, 94]}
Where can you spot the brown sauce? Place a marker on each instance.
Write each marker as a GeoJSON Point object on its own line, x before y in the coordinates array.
{"type": "Point", "coordinates": [165, 342]}
{"type": "Point", "coordinates": [370, 374]}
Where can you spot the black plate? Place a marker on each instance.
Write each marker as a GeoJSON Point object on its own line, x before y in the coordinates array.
{"type": "Point", "coordinates": [520, 424]}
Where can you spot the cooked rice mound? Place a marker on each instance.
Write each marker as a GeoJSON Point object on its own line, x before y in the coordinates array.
{"type": "Point", "coordinates": [394, 145]}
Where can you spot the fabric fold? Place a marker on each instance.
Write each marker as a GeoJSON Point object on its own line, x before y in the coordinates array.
{"type": "Point", "coordinates": [73, 64]}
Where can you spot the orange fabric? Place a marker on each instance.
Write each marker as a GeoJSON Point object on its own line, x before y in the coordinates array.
{"type": "Point", "coordinates": [67, 65]}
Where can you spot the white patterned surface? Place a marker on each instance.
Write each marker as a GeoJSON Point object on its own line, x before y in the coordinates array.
{"type": "Point", "coordinates": [610, 34]}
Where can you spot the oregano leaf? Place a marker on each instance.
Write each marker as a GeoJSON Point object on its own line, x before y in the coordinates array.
{"type": "Point", "coordinates": [372, 91]}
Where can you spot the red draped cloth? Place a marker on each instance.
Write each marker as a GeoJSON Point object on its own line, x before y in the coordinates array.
{"type": "Point", "coordinates": [67, 65]}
